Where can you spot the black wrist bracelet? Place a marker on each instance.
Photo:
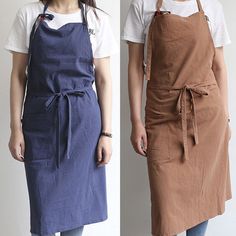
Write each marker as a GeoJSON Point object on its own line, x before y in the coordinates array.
{"type": "Point", "coordinates": [106, 134]}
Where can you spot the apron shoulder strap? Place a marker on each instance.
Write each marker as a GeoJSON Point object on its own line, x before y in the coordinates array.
{"type": "Point", "coordinates": [83, 12]}
{"type": "Point", "coordinates": [199, 5]}
{"type": "Point", "coordinates": [159, 5]}
{"type": "Point", "coordinates": [45, 7]}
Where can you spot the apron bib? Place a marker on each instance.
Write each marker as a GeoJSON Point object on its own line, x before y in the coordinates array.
{"type": "Point", "coordinates": [61, 125]}
{"type": "Point", "coordinates": [186, 124]}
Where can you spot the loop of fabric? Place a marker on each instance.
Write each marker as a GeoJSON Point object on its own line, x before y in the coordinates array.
{"type": "Point", "coordinates": [182, 107]}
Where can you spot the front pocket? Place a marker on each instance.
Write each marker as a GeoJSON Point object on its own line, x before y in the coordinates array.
{"type": "Point", "coordinates": [158, 143]}
{"type": "Point", "coordinates": [39, 136]}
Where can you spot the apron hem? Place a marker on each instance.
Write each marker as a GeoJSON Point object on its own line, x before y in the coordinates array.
{"type": "Point", "coordinates": [70, 227]}
{"type": "Point", "coordinates": [210, 216]}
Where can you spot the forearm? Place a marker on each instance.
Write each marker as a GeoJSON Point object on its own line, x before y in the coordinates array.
{"type": "Point", "coordinates": [17, 90]}
{"type": "Point", "coordinates": [104, 91]}
{"type": "Point", "coordinates": [135, 83]}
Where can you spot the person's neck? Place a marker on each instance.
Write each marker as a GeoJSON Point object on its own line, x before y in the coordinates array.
{"type": "Point", "coordinates": [64, 6]}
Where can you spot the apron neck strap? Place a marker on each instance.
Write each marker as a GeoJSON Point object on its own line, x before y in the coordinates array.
{"type": "Point", "coordinates": [45, 7]}
{"type": "Point", "coordinates": [159, 5]}
{"type": "Point", "coordinates": [160, 2]}
{"type": "Point", "coordinates": [83, 12]}
{"type": "Point", "coordinates": [199, 5]}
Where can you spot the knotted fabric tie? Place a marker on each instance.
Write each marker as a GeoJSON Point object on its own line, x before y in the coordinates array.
{"type": "Point", "coordinates": [58, 98]}
{"type": "Point", "coordinates": [181, 109]}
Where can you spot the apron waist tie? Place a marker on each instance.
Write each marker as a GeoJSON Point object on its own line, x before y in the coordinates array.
{"type": "Point", "coordinates": [57, 98]}
{"type": "Point", "coordinates": [181, 109]}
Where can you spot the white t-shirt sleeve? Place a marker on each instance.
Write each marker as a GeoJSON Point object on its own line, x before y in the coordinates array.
{"type": "Point", "coordinates": [17, 37]}
{"type": "Point", "coordinates": [105, 44]}
{"type": "Point", "coordinates": [219, 30]}
{"type": "Point", "coordinates": [134, 25]}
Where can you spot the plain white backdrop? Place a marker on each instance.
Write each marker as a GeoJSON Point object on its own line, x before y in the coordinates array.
{"type": "Point", "coordinates": [14, 205]}
{"type": "Point", "coordinates": [135, 203]}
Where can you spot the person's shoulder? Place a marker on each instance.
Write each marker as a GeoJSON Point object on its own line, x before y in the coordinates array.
{"type": "Point", "coordinates": [213, 5]}
{"type": "Point", "coordinates": [97, 16]}
{"type": "Point", "coordinates": [30, 9]}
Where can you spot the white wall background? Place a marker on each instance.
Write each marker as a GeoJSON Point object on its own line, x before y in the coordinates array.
{"type": "Point", "coordinates": [14, 206]}
{"type": "Point", "coordinates": [135, 204]}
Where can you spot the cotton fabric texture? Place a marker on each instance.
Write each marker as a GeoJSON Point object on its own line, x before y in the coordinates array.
{"type": "Point", "coordinates": [101, 35]}
{"type": "Point", "coordinates": [61, 125]}
{"type": "Point", "coordinates": [186, 124]}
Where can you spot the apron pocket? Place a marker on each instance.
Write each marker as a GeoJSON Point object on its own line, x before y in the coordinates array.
{"type": "Point", "coordinates": [158, 143]}
{"type": "Point", "coordinates": [39, 137]}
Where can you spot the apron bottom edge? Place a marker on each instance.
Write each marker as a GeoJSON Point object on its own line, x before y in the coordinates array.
{"type": "Point", "coordinates": [74, 226]}
{"type": "Point", "coordinates": [218, 212]}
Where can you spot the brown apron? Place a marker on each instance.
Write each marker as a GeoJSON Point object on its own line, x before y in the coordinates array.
{"type": "Point", "coordinates": [186, 124]}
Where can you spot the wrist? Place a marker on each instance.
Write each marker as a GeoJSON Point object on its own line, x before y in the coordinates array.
{"type": "Point", "coordinates": [15, 128]}
{"type": "Point", "coordinates": [136, 122]}
{"type": "Point", "coordinates": [106, 134]}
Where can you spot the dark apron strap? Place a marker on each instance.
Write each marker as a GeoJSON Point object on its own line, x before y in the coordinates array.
{"type": "Point", "coordinates": [83, 12]}
{"type": "Point", "coordinates": [45, 7]}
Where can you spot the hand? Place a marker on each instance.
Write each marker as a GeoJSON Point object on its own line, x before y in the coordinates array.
{"type": "Point", "coordinates": [17, 145]}
{"type": "Point", "coordinates": [104, 151]}
{"type": "Point", "coordinates": [139, 138]}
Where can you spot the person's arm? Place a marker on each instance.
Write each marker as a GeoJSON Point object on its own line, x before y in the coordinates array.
{"type": "Point", "coordinates": [104, 92]}
{"type": "Point", "coordinates": [17, 91]}
{"type": "Point", "coordinates": [135, 83]}
{"type": "Point", "coordinates": [220, 72]}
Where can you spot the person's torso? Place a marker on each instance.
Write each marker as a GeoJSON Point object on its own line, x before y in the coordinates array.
{"type": "Point", "coordinates": [59, 59]}
{"type": "Point", "coordinates": [181, 8]}
{"type": "Point", "coordinates": [32, 10]}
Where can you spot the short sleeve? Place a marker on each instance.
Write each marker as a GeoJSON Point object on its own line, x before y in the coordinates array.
{"type": "Point", "coordinates": [220, 33]}
{"type": "Point", "coordinates": [105, 45]}
{"type": "Point", "coordinates": [134, 24]}
{"type": "Point", "coordinates": [17, 37]}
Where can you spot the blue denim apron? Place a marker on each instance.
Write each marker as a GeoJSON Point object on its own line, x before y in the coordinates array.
{"type": "Point", "coordinates": [61, 124]}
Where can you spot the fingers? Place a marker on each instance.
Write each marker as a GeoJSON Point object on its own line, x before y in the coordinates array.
{"type": "Point", "coordinates": [140, 145]}
{"type": "Point", "coordinates": [16, 153]}
{"type": "Point", "coordinates": [144, 139]}
{"type": "Point", "coordinates": [104, 157]}
{"type": "Point", "coordinates": [99, 153]}
{"type": "Point", "coordinates": [22, 149]}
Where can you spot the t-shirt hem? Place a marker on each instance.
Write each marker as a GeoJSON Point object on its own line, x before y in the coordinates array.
{"type": "Point", "coordinates": [15, 49]}
{"type": "Point", "coordinates": [106, 54]}
{"type": "Point", "coordinates": [217, 45]}
{"type": "Point", "coordinates": [132, 39]}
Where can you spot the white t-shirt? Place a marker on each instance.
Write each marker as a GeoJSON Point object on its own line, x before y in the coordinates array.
{"type": "Point", "coordinates": [101, 35]}
{"type": "Point", "coordinates": [141, 12]}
